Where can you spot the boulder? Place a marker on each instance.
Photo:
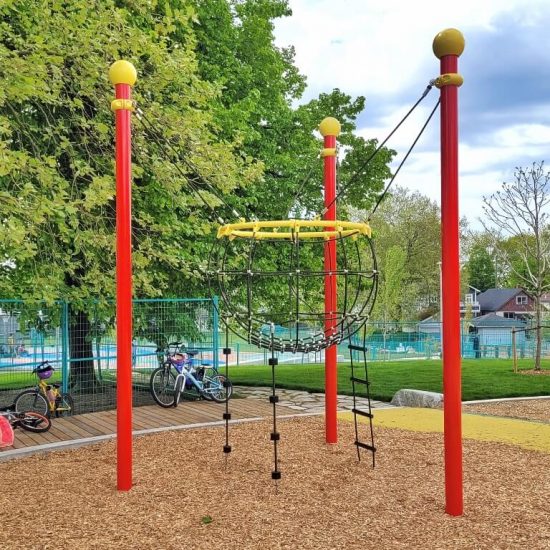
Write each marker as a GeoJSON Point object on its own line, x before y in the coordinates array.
{"type": "Point", "coordinates": [417, 398]}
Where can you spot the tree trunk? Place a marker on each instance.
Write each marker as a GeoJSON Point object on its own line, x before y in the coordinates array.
{"type": "Point", "coordinates": [538, 332]}
{"type": "Point", "coordinates": [82, 375]}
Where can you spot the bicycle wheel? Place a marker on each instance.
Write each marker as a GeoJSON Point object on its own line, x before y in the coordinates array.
{"type": "Point", "coordinates": [32, 400]}
{"type": "Point", "coordinates": [161, 385]}
{"type": "Point", "coordinates": [218, 387]}
{"type": "Point", "coordinates": [204, 374]}
{"type": "Point", "coordinates": [64, 405]}
{"type": "Point", "coordinates": [177, 391]}
{"type": "Point", "coordinates": [33, 422]}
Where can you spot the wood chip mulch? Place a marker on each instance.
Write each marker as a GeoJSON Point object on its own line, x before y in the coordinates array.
{"type": "Point", "coordinates": [186, 497]}
{"type": "Point", "coordinates": [525, 409]}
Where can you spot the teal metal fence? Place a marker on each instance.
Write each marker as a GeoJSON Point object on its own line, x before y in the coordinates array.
{"type": "Point", "coordinates": [405, 341]}
{"type": "Point", "coordinates": [81, 344]}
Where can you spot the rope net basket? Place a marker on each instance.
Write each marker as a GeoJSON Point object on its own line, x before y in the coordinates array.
{"type": "Point", "coordinates": [270, 277]}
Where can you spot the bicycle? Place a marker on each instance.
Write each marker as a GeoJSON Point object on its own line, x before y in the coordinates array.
{"type": "Point", "coordinates": [30, 421]}
{"type": "Point", "coordinates": [45, 399]}
{"type": "Point", "coordinates": [179, 372]}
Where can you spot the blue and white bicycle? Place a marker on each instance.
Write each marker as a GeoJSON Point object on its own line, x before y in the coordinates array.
{"type": "Point", "coordinates": [182, 372]}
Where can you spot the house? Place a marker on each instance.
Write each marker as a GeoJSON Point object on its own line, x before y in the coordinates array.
{"type": "Point", "coordinates": [492, 331]}
{"type": "Point", "coordinates": [510, 303]}
{"type": "Point", "coordinates": [471, 302]}
{"type": "Point", "coordinates": [545, 301]}
{"type": "Point", "coordinates": [430, 325]}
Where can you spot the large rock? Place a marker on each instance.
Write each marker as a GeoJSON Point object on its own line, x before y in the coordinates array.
{"type": "Point", "coordinates": [417, 398]}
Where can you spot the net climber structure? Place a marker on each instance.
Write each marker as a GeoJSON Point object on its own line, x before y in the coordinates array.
{"type": "Point", "coordinates": [270, 277]}
{"type": "Point", "coordinates": [304, 285]}
{"type": "Point", "coordinates": [299, 285]}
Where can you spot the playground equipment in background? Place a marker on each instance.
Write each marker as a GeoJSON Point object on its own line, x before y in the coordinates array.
{"type": "Point", "coordinates": [181, 372]}
{"type": "Point", "coordinates": [46, 399]}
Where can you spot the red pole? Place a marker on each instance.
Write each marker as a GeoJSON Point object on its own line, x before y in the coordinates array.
{"type": "Point", "coordinates": [330, 129]}
{"type": "Point", "coordinates": [447, 46]}
{"type": "Point", "coordinates": [123, 76]}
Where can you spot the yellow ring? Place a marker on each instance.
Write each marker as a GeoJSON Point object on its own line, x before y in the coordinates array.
{"type": "Point", "coordinates": [449, 79]}
{"type": "Point", "coordinates": [292, 229]}
{"type": "Point", "coordinates": [118, 104]}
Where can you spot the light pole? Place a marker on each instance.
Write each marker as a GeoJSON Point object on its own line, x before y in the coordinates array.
{"type": "Point", "coordinates": [492, 250]}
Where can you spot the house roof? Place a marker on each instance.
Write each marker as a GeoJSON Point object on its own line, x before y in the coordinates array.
{"type": "Point", "coordinates": [492, 320]}
{"type": "Point", "coordinates": [494, 298]}
{"type": "Point", "coordinates": [432, 319]}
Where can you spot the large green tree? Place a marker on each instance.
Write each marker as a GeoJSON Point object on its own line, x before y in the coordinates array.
{"type": "Point", "coordinates": [219, 136]}
{"type": "Point", "coordinates": [410, 221]}
{"type": "Point", "coordinates": [57, 206]}
{"type": "Point", "coordinates": [260, 86]}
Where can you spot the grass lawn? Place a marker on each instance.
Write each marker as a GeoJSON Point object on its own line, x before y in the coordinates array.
{"type": "Point", "coordinates": [481, 378]}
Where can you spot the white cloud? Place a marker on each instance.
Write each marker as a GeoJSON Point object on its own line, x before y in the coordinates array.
{"type": "Point", "coordinates": [379, 47]}
{"type": "Point", "coordinates": [382, 50]}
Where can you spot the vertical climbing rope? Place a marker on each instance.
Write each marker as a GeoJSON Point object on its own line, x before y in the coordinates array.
{"type": "Point", "coordinates": [273, 399]}
{"type": "Point", "coordinates": [226, 414]}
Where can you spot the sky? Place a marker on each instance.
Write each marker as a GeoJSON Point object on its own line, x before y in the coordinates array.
{"type": "Point", "coordinates": [382, 50]}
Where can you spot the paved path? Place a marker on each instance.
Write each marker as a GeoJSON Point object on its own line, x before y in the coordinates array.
{"type": "Point", "coordinates": [99, 426]}
{"type": "Point", "coordinates": [302, 401]}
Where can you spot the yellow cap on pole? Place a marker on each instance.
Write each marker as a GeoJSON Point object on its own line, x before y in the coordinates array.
{"type": "Point", "coordinates": [329, 127]}
{"type": "Point", "coordinates": [448, 42]}
{"type": "Point", "coordinates": [123, 72]}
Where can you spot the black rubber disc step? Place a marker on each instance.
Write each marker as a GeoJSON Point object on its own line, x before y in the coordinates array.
{"type": "Point", "coordinates": [357, 348]}
{"type": "Point", "coordinates": [360, 380]}
{"type": "Point", "coordinates": [365, 446]}
{"type": "Point", "coordinates": [362, 413]}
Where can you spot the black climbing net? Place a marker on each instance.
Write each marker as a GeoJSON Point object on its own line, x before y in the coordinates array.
{"type": "Point", "coordinates": [272, 289]}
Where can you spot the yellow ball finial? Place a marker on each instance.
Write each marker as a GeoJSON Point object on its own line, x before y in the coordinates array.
{"type": "Point", "coordinates": [448, 42]}
{"type": "Point", "coordinates": [330, 127]}
{"type": "Point", "coordinates": [123, 72]}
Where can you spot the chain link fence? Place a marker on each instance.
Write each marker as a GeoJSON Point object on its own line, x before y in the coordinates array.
{"type": "Point", "coordinates": [407, 340]}
{"type": "Point", "coordinates": [80, 342]}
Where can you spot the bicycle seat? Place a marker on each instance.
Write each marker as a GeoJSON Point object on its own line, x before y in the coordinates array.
{"type": "Point", "coordinates": [192, 352]}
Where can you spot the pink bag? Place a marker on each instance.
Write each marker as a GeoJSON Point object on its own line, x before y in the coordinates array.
{"type": "Point", "coordinates": [6, 432]}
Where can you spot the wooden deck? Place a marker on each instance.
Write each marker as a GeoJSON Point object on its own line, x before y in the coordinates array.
{"type": "Point", "coordinates": [91, 427]}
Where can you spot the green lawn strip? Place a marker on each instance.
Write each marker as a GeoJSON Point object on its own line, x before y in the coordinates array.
{"type": "Point", "coordinates": [481, 379]}
{"type": "Point", "coordinates": [16, 380]}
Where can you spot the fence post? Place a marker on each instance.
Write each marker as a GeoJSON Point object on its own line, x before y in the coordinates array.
{"type": "Point", "coordinates": [215, 328]}
{"type": "Point", "coordinates": [65, 346]}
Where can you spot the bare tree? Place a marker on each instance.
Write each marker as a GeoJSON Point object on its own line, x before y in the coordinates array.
{"type": "Point", "coordinates": [518, 212]}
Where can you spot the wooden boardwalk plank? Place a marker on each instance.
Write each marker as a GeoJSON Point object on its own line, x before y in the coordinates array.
{"type": "Point", "coordinates": [147, 417]}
